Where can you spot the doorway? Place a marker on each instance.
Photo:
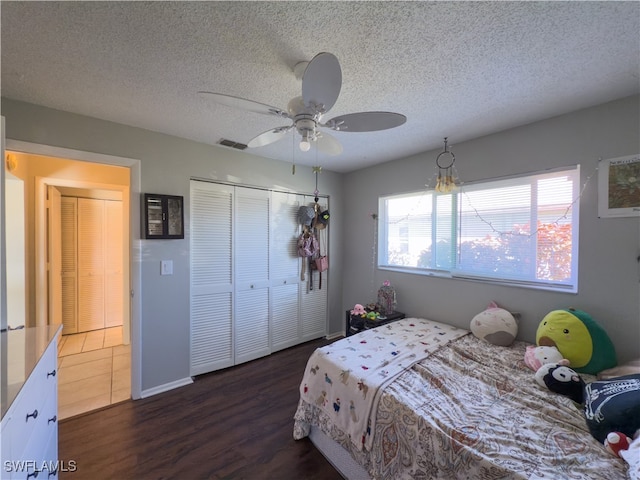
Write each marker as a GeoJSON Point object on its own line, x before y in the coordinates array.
{"type": "Point", "coordinates": [86, 260]}
{"type": "Point", "coordinates": [119, 344]}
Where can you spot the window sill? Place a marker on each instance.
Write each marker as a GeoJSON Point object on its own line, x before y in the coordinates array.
{"type": "Point", "coordinates": [491, 281]}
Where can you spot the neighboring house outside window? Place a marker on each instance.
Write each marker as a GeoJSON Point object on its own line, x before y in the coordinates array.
{"type": "Point", "coordinates": [519, 231]}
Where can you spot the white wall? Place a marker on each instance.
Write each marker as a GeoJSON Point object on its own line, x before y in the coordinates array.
{"type": "Point", "coordinates": [15, 251]}
{"type": "Point", "coordinates": [608, 268]}
{"type": "Point", "coordinates": [167, 165]}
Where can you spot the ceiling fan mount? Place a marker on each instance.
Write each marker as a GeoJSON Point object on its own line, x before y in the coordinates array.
{"type": "Point", "coordinates": [321, 84]}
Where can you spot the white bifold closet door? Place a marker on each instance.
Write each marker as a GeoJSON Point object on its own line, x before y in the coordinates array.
{"type": "Point", "coordinates": [91, 232]}
{"type": "Point", "coordinates": [251, 238]}
{"type": "Point", "coordinates": [211, 277]}
{"type": "Point", "coordinates": [285, 270]}
{"type": "Point", "coordinates": [113, 264]}
{"type": "Point", "coordinates": [92, 264]}
{"type": "Point", "coordinates": [247, 299]}
{"type": "Point", "coordinates": [313, 301]}
{"type": "Point", "coordinates": [69, 218]}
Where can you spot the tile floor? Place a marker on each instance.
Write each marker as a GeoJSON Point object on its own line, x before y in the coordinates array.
{"type": "Point", "coordinates": [94, 370]}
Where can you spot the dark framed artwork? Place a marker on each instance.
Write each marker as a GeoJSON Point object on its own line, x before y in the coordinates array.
{"type": "Point", "coordinates": [163, 216]}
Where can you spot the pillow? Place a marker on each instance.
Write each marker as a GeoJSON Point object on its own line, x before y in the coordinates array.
{"type": "Point", "coordinates": [608, 405]}
{"type": "Point", "coordinates": [495, 325]}
{"type": "Point", "coordinates": [613, 406]}
{"type": "Point", "coordinates": [579, 339]}
{"type": "Point", "coordinates": [626, 369]}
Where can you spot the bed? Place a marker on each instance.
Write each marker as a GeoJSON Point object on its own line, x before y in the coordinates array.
{"type": "Point", "coordinates": [452, 406]}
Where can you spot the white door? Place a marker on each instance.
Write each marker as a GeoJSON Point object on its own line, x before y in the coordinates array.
{"type": "Point", "coordinates": [113, 264]}
{"type": "Point", "coordinates": [211, 277]}
{"type": "Point", "coordinates": [54, 254]}
{"type": "Point", "coordinates": [251, 239]}
{"type": "Point", "coordinates": [69, 268]}
{"type": "Point", "coordinates": [285, 270]}
{"type": "Point", "coordinates": [90, 264]}
{"type": "Point", "coordinates": [3, 285]}
{"type": "Point", "coordinates": [313, 296]}
{"type": "Point", "coordinates": [16, 272]}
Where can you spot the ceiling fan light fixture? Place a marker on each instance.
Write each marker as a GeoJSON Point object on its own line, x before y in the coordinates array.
{"type": "Point", "coordinates": [321, 85]}
{"type": "Point", "coordinates": [305, 145]}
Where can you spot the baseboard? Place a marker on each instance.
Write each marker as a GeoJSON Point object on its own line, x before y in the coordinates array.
{"type": "Point", "coordinates": [331, 336]}
{"type": "Point", "coordinates": [166, 387]}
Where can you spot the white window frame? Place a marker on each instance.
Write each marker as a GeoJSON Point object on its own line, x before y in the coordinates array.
{"type": "Point", "coordinates": [424, 202]}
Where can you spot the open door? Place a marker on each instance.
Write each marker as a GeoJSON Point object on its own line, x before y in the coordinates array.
{"type": "Point", "coordinates": [3, 269]}
{"type": "Point", "coordinates": [54, 254]}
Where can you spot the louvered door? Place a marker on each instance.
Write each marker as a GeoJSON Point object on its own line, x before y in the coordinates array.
{"type": "Point", "coordinates": [285, 270]}
{"type": "Point", "coordinates": [69, 219]}
{"type": "Point", "coordinates": [247, 299]}
{"type": "Point", "coordinates": [113, 264]}
{"type": "Point", "coordinates": [313, 301]}
{"type": "Point", "coordinates": [211, 277]}
{"type": "Point", "coordinates": [90, 264]}
{"type": "Point", "coordinates": [251, 235]}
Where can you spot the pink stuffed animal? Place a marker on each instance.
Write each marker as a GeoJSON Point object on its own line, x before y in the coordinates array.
{"type": "Point", "coordinates": [535, 357]}
{"type": "Point", "coordinates": [358, 310]}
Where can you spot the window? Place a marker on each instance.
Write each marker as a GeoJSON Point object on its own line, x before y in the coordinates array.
{"type": "Point", "coordinates": [520, 231]}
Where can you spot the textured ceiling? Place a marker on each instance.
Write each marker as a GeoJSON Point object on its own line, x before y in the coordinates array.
{"type": "Point", "coordinates": [455, 69]}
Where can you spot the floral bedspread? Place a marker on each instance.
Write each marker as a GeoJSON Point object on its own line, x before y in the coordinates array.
{"type": "Point", "coordinates": [473, 410]}
{"type": "Point", "coordinates": [344, 379]}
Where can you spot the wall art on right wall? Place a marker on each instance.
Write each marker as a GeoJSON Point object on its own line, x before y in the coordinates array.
{"type": "Point", "coordinates": [619, 187]}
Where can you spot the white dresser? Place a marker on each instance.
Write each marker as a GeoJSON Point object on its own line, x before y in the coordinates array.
{"type": "Point", "coordinates": [29, 435]}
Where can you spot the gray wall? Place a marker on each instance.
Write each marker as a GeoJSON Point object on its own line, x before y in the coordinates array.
{"type": "Point", "coordinates": [167, 165]}
{"type": "Point", "coordinates": [608, 269]}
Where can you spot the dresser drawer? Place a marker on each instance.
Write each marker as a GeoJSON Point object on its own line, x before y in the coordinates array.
{"type": "Point", "coordinates": [33, 408]}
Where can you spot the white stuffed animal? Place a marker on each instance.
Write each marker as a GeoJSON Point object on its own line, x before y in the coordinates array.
{"type": "Point", "coordinates": [535, 357]}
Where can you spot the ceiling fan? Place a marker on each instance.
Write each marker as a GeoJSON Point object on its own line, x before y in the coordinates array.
{"type": "Point", "coordinates": [321, 83]}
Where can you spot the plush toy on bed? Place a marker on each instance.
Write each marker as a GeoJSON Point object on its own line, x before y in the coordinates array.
{"type": "Point", "coordinates": [579, 339]}
{"type": "Point", "coordinates": [495, 325]}
{"type": "Point", "coordinates": [616, 442]}
{"type": "Point", "coordinates": [609, 405]}
{"type": "Point", "coordinates": [535, 357]}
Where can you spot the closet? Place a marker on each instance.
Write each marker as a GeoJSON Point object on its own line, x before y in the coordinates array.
{"type": "Point", "coordinates": [92, 256]}
{"type": "Point", "coordinates": [247, 297]}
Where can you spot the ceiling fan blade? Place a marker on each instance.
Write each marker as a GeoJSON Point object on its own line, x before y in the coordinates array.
{"type": "Point", "coordinates": [328, 144]}
{"type": "Point", "coordinates": [366, 121]}
{"type": "Point", "coordinates": [321, 82]}
{"type": "Point", "coordinates": [244, 104]}
{"type": "Point", "coordinates": [270, 136]}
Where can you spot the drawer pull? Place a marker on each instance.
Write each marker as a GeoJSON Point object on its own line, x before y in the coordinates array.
{"type": "Point", "coordinates": [53, 419]}
{"type": "Point", "coordinates": [54, 473]}
{"type": "Point", "coordinates": [52, 373]}
{"type": "Point", "coordinates": [33, 475]}
{"type": "Point", "coordinates": [33, 415]}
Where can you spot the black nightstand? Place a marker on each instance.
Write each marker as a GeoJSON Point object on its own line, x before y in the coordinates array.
{"type": "Point", "coordinates": [356, 324]}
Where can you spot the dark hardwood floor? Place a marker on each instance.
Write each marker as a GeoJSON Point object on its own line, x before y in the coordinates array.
{"type": "Point", "coordinates": [236, 423]}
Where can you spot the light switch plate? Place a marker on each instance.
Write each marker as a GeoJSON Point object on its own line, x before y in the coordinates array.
{"type": "Point", "coordinates": [166, 267]}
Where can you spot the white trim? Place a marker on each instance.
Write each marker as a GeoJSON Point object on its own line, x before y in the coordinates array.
{"type": "Point", "coordinates": [136, 247]}
{"type": "Point", "coordinates": [166, 387]}
{"type": "Point", "coordinates": [3, 264]}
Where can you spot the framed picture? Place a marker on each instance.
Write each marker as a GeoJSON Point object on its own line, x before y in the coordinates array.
{"type": "Point", "coordinates": [163, 216]}
{"type": "Point", "coordinates": [619, 187]}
